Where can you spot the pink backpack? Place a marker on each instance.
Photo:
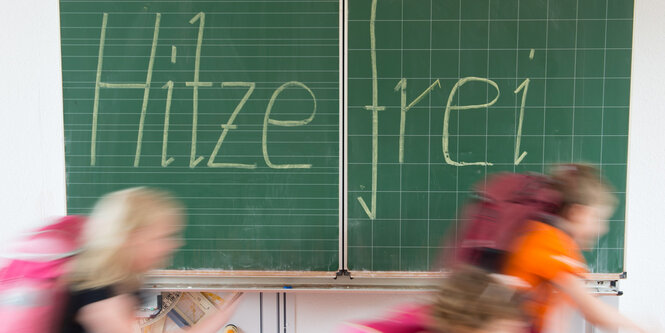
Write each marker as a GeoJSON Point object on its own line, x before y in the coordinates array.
{"type": "Point", "coordinates": [32, 294]}
{"type": "Point", "coordinates": [408, 319]}
{"type": "Point", "coordinates": [496, 216]}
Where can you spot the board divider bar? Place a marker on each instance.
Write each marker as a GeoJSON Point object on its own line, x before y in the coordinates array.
{"type": "Point", "coordinates": [342, 171]}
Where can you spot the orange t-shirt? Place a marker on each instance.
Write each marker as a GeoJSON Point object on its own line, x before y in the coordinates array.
{"type": "Point", "coordinates": [542, 254]}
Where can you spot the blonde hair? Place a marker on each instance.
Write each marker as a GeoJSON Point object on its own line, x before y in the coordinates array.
{"type": "Point", "coordinates": [104, 259]}
{"type": "Point", "coordinates": [470, 299]}
{"type": "Point", "coordinates": [582, 184]}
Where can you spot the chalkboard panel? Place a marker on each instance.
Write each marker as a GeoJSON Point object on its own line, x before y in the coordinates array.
{"type": "Point", "coordinates": [231, 105]}
{"type": "Point", "coordinates": [234, 106]}
{"type": "Point", "coordinates": [442, 93]}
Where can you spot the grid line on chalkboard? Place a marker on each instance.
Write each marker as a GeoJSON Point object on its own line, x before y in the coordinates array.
{"type": "Point", "coordinates": [429, 128]}
{"type": "Point", "coordinates": [515, 100]}
{"type": "Point", "coordinates": [401, 169]}
{"type": "Point", "coordinates": [499, 20]}
{"type": "Point", "coordinates": [574, 108]}
{"type": "Point", "coordinates": [487, 88]}
{"type": "Point", "coordinates": [207, 12]}
{"type": "Point", "coordinates": [547, 42]}
{"type": "Point", "coordinates": [602, 112]}
{"type": "Point", "coordinates": [201, 1]}
{"type": "Point", "coordinates": [457, 169]}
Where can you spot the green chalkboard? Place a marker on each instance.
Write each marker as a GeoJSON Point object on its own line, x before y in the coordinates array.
{"type": "Point", "coordinates": [231, 105]}
{"type": "Point", "coordinates": [472, 87]}
{"type": "Point", "coordinates": [234, 106]}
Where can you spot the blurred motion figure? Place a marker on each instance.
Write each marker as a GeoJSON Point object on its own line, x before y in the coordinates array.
{"type": "Point", "coordinates": [469, 300]}
{"type": "Point", "coordinates": [128, 233]}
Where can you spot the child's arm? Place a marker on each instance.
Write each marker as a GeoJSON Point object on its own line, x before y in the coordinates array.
{"type": "Point", "coordinates": [112, 315]}
{"type": "Point", "coordinates": [115, 315]}
{"type": "Point", "coordinates": [594, 310]}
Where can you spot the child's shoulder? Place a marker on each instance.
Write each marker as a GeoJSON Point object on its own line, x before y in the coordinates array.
{"type": "Point", "coordinates": [546, 250]}
{"type": "Point", "coordinates": [547, 235]}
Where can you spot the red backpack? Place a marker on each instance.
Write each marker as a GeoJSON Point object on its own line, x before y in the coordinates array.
{"type": "Point", "coordinates": [495, 217]}
{"type": "Point", "coordinates": [31, 291]}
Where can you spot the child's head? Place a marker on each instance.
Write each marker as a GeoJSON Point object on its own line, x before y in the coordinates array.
{"type": "Point", "coordinates": [128, 233]}
{"type": "Point", "coordinates": [587, 201]}
{"type": "Point", "coordinates": [472, 301]}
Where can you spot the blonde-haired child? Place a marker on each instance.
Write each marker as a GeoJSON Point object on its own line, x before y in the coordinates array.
{"type": "Point", "coordinates": [472, 301]}
{"type": "Point", "coordinates": [469, 300]}
{"type": "Point", "coordinates": [128, 233]}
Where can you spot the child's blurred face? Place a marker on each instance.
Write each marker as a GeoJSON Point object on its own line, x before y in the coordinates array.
{"type": "Point", "coordinates": [152, 246]}
{"type": "Point", "coordinates": [588, 223]}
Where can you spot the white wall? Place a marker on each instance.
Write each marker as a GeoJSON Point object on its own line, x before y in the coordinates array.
{"type": "Point", "coordinates": [645, 230]}
{"type": "Point", "coordinates": [324, 312]}
{"type": "Point", "coordinates": [32, 171]}
{"type": "Point", "coordinates": [33, 179]}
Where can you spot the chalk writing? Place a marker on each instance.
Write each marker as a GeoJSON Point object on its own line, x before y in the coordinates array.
{"type": "Point", "coordinates": [287, 123]}
{"type": "Point", "coordinates": [450, 107]}
{"type": "Point", "coordinates": [193, 159]}
{"type": "Point", "coordinates": [229, 126]}
{"type": "Point", "coordinates": [375, 108]}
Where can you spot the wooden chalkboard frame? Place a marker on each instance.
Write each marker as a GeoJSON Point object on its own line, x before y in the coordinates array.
{"type": "Point", "coordinates": [327, 282]}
